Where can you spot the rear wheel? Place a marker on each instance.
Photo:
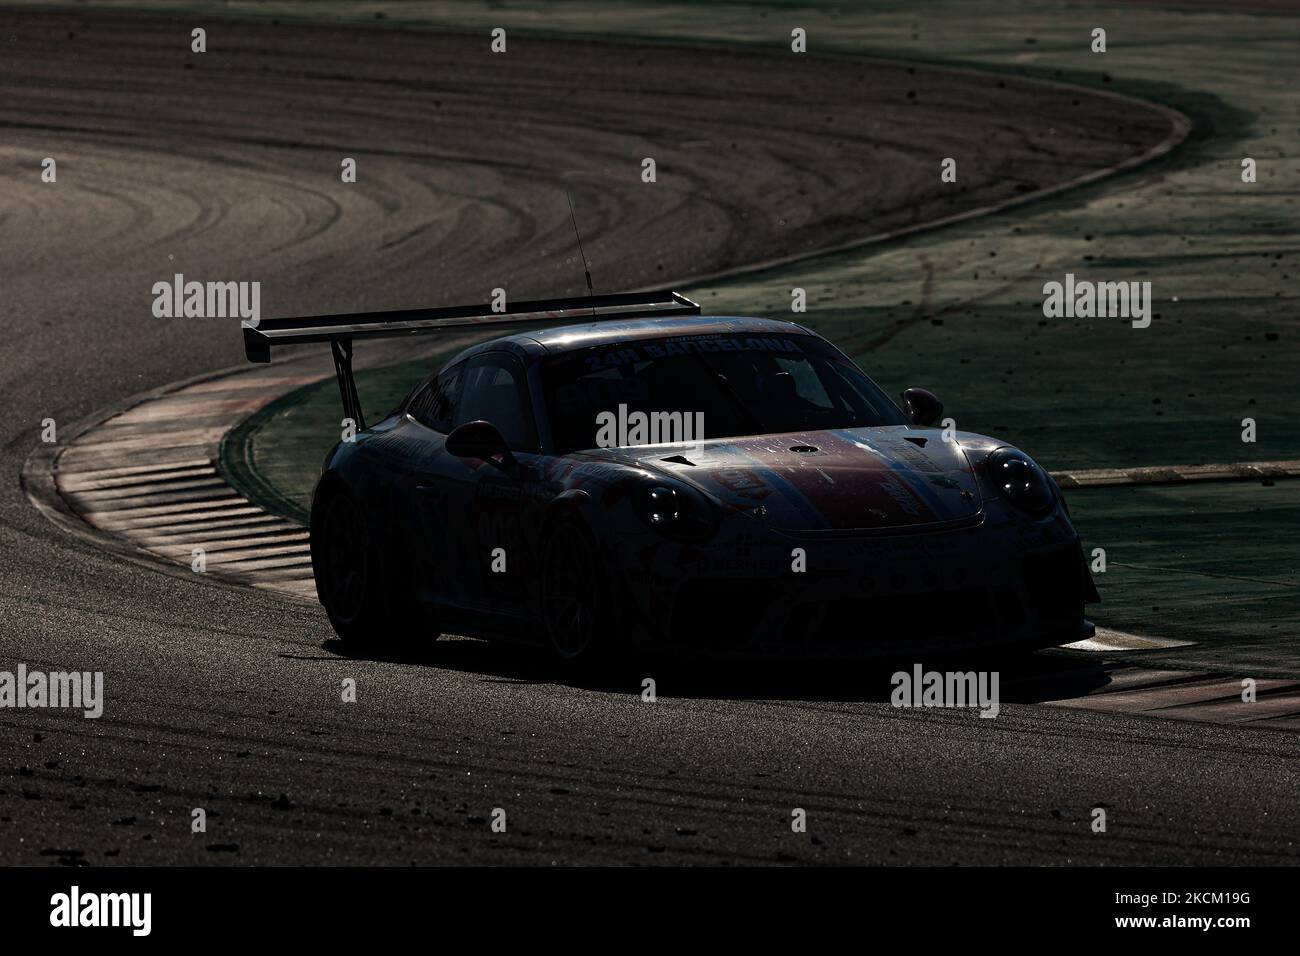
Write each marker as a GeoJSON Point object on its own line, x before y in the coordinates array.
{"type": "Point", "coordinates": [575, 601]}
{"type": "Point", "coordinates": [352, 579]}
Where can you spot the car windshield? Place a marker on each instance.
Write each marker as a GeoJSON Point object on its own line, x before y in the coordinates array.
{"type": "Point", "coordinates": [739, 384]}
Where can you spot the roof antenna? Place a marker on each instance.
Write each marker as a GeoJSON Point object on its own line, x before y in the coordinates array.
{"type": "Point", "coordinates": [586, 269]}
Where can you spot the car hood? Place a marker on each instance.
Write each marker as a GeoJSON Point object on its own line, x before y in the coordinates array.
{"type": "Point", "coordinates": [848, 479]}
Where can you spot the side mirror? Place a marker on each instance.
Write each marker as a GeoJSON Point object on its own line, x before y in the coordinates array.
{"type": "Point", "coordinates": [480, 440]}
{"type": "Point", "coordinates": [923, 406]}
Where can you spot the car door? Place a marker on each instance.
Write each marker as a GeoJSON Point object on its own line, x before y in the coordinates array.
{"type": "Point", "coordinates": [491, 501]}
{"type": "Point", "coordinates": [431, 529]}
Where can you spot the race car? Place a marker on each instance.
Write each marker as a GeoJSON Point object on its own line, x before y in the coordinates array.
{"type": "Point", "coordinates": [786, 506]}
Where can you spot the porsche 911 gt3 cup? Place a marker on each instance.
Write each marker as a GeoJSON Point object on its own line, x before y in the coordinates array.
{"type": "Point", "coordinates": [810, 515]}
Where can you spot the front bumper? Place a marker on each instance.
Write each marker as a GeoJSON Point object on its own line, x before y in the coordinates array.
{"type": "Point", "coordinates": [983, 587]}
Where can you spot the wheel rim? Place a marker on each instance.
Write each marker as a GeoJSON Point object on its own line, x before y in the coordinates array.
{"type": "Point", "coordinates": [344, 561]}
{"type": "Point", "coordinates": [570, 594]}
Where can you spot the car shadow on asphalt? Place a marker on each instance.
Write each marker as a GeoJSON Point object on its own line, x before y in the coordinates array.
{"type": "Point", "coordinates": [1023, 678]}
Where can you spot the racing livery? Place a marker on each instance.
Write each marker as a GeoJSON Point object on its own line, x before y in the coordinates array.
{"type": "Point", "coordinates": [812, 516]}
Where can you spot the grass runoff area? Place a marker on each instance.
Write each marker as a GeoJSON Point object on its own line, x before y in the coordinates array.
{"type": "Point", "coordinates": [960, 309]}
{"type": "Point", "coordinates": [275, 455]}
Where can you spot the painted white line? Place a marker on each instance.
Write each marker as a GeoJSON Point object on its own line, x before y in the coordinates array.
{"type": "Point", "coordinates": [219, 507]}
{"type": "Point", "coordinates": [128, 526]}
{"type": "Point", "coordinates": [1177, 474]}
{"type": "Point", "coordinates": [85, 483]}
{"type": "Point", "coordinates": [119, 499]}
{"type": "Point", "coordinates": [257, 522]}
{"type": "Point", "coordinates": [284, 552]}
{"type": "Point", "coordinates": [174, 548]}
{"type": "Point", "coordinates": [1107, 641]}
{"type": "Point", "coordinates": [92, 474]}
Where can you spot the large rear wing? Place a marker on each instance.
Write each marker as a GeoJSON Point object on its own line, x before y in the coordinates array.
{"type": "Point", "coordinates": [342, 330]}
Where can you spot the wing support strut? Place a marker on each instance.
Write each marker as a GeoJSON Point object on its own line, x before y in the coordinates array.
{"type": "Point", "coordinates": [342, 350]}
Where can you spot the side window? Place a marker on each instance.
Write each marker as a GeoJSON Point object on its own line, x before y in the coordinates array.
{"type": "Point", "coordinates": [495, 390]}
{"type": "Point", "coordinates": [435, 406]}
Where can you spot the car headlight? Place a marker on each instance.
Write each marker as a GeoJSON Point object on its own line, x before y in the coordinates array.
{"type": "Point", "coordinates": [1018, 479]}
{"type": "Point", "coordinates": [675, 512]}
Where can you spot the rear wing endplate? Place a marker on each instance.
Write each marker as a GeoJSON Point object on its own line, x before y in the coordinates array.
{"type": "Point", "coordinates": [342, 330]}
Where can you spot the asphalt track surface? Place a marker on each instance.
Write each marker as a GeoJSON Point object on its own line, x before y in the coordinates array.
{"type": "Point", "coordinates": [226, 167]}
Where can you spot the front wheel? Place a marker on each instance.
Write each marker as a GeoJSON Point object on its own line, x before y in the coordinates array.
{"type": "Point", "coordinates": [575, 599]}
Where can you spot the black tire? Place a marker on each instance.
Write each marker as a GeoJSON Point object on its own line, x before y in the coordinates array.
{"type": "Point", "coordinates": [576, 605]}
{"type": "Point", "coordinates": [352, 578]}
